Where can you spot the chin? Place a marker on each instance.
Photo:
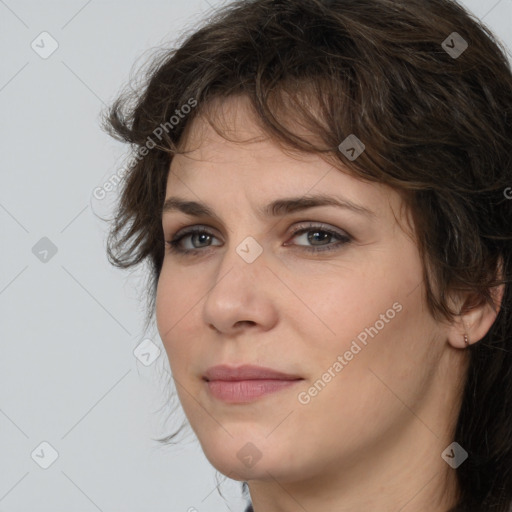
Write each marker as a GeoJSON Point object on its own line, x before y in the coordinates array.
{"type": "Point", "coordinates": [243, 459]}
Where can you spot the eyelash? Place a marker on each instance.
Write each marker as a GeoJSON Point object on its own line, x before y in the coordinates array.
{"type": "Point", "coordinates": [173, 245]}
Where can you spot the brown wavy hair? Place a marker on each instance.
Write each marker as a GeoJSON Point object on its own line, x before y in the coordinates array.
{"type": "Point", "coordinates": [437, 128]}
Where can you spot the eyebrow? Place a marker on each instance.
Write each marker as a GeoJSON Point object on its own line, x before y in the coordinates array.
{"type": "Point", "coordinates": [277, 208]}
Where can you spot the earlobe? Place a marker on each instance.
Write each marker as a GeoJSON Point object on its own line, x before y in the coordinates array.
{"type": "Point", "coordinates": [477, 315]}
{"type": "Point", "coordinates": [475, 320]}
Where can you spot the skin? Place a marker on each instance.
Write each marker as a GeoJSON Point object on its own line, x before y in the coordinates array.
{"type": "Point", "coordinates": [372, 438]}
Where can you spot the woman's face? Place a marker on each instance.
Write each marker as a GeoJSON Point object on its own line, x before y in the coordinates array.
{"type": "Point", "coordinates": [339, 305]}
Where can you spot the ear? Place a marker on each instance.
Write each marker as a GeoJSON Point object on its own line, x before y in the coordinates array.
{"type": "Point", "coordinates": [476, 315]}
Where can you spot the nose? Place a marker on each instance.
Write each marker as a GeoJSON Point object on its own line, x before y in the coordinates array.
{"type": "Point", "coordinates": [241, 294]}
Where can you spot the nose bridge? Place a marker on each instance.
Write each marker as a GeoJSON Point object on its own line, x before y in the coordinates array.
{"type": "Point", "coordinates": [242, 261]}
{"type": "Point", "coordinates": [239, 293]}
{"type": "Point", "coordinates": [245, 251]}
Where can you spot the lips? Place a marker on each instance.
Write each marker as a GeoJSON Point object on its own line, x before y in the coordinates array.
{"type": "Point", "coordinates": [246, 383]}
{"type": "Point", "coordinates": [246, 372]}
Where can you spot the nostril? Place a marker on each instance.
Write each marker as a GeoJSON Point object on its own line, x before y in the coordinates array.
{"type": "Point", "coordinates": [211, 326]}
{"type": "Point", "coordinates": [242, 322]}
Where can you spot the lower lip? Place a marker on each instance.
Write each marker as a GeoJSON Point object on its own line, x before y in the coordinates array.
{"type": "Point", "coordinates": [241, 391]}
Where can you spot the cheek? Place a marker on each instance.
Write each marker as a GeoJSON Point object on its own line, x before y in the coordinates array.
{"type": "Point", "coordinates": [164, 307]}
{"type": "Point", "coordinates": [364, 401]}
{"type": "Point", "coordinates": [344, 308]}
{"type": "Point", "coordinates": [375, 324]}
{"type": "Point", "coordinates": [176, 308]}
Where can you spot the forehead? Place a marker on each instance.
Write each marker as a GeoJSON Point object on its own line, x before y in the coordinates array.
{"type": "Point", "coordinates": [233, 119]}
{"type": "Point", "coordinates": [228, 135]}
{"type": "Point", "coordinates": [243, 160]}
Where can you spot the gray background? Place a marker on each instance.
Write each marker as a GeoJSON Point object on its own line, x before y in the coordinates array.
{"type": "Point", "coordinates": [69, 321]}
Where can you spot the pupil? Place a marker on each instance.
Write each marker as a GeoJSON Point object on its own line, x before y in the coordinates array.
{"type": "Point", "coordinates": [325, 235]}
{"type": "Point", "coordinates": [202, 236]}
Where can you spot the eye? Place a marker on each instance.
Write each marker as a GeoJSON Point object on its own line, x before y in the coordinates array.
{"type": "Point", "coordinates": [198, 233]}
{"type": "Point", "coordinates": [317, 235]}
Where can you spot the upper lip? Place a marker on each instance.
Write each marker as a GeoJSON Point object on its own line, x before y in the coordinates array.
{"type": "Point", "coordinates": [246, 372]}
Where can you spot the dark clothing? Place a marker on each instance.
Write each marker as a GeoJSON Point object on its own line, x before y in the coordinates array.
{"type": "Point", "coordinates": [249, 508]}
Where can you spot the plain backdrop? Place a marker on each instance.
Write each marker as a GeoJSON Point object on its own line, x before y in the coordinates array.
{"type": "Point", "coordinates": [79, 394]}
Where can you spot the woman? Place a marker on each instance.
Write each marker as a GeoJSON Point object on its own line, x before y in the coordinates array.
{"type": "Point", "coordinates": [321, 191]}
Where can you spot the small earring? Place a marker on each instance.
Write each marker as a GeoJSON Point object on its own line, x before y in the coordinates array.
{"type": "Point", "coordinates": [466, 340]}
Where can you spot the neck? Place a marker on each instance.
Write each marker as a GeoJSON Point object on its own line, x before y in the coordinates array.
{"type": "Point", "coordinates": [423, 482]}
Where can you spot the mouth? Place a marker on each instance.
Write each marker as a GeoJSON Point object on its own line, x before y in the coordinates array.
{"type": "Point", "coordinates": [246, 383]}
